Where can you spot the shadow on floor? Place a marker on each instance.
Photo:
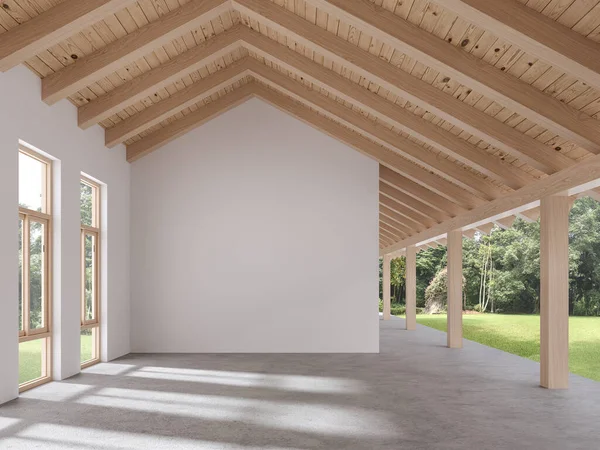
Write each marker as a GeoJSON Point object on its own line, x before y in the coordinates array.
{"type": "Point", "coordinates": [416, 394]}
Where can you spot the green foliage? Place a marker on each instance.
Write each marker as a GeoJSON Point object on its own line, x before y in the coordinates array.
{"type": "Point", "coordinates": [436, 294]}
{"type": "Point", "coordinates": [520, 335]}
{"type": "Point", "coordinates": [512, 276]}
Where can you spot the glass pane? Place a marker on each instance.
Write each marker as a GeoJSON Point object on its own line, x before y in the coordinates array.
{"type": "Point", "coordinates": [36, 275]}
{"type": "Point", "coordinates": [32, 357]}
{"type": "Point", "coordinates": [20, 274]}
{"type": "Point", "coordinates": [89, 281]}
{"type": "Point", "coordinates": [89, 344]}
{"type": "Point", "coordinates": [87, 205]}
{"type": "Point", "coordinates": [31, 183]}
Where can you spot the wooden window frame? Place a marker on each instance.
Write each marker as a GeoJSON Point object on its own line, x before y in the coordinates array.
{"type": "Point", "coordinates": [93, 230]}
{"type": "Point", "coordinates": [45, 217]}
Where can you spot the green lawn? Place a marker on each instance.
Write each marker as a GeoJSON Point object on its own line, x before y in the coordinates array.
{"type": "Point", "coordinates": [520, 335]}
{"type": "Point", "coordinates": [30, 357]}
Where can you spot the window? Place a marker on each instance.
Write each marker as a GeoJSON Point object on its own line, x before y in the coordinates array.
{"type": "Point", "coordinates": [90, 272]}
{"type": "Point", "coordinates": [35, 221]}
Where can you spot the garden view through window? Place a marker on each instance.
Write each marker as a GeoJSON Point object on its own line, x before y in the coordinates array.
{"type": "Point", "coordinates": [90, 245]}
{"type": "Point", "coordinates": [35, 220]}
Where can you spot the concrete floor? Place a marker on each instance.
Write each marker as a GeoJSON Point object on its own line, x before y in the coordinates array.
{"type": "Point", "coordinates": [416, 394]}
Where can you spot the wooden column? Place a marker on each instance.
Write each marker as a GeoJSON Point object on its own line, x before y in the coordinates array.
{"type": "Point", "coordinates": [455, 276]}
{"type": "Point", "coordinates": [387, 259]}
{"type": "Point", "coordinates": [554, 292]}
{"type": "Point", "coordinates": [411, 287]}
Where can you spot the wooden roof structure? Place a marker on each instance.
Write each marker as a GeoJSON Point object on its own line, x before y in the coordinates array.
{"type": "Point", "coordinates": [474, 109]}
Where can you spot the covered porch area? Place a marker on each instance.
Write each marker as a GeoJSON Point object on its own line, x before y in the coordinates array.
{"type": "Point", "coordinates": [415, 394]}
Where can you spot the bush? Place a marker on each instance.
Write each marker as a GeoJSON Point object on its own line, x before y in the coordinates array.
{"type": "Point", "coordinates": [477, 307]}
{"type": "Point", "coordinates": [398, 310]}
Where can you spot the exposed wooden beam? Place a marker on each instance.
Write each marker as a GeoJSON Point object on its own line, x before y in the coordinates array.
{"type": "Point", "coordinates": [431, 214]}
{"type": "Point", "coordinates": [385, 240]}
{"type": "Point", "coordinates": [505, 222]}
{"type": "Point", "coordinates": [532, 214]}
{"type": "Point", "coordinates": [391, 193]}
{"type": "Point", "coordinates": [405, 85]}
{"type": "Point", "coordinates": [479, 187]}
{"type": "Point", "coordinates": [130, 47]}
{"type": "Point", "coordinates": [388, 219]}
{"type": "Point", "coordinates": [582, 174]}
{"type": "Point", "coordinates": [188, 96]}
{"type": "Point", "coordinates": [535, 34]}
{"type": "Point", "coordinates": [149, 82]}
{"type": "Point", "coordinates": [385, 111]}
{"type": "Point", "coordinates": [381, 154]}
{"type": "Point", "coordinates": [23, 42]}
{"type": "Point", "coordinates": [388, 235]}
{"type": "Point", "coordinates": [467, 69]}
{"type": "Point", "coordinates": [419, 192]}
{"type": "Point", "coordinates": [189, 122]}
{"type": "Point", "coordinates": [385, 228]}
{"type": "Point", "coordinates": [469, 233]}
{"type": "Point", "coordinates": [486, 228]}
{"type": "Point", "coordinates": [399, 213]}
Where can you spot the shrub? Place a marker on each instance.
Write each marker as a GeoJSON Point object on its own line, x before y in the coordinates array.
{"type": "Point", "coordinates": [398, 310]}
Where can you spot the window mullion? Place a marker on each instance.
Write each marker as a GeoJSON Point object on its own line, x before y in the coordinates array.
{"type": "Point", "coordinates": [26, 251]}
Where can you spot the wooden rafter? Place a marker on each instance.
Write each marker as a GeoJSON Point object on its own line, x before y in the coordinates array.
{"type": "Point", "coordinates": [385, 111]}
{"type": "Point", "coordinates": [52, 26]}
{"type": "Point", "coordinates": [381, 154]}
{"type": "Point", "coordinates": [388, 229]}
{"type": "Point", "coordinates": [405, 85]}
{"type": "Point", "coordinates": [398, 198]}
{"type": "Point", "coordinates": [189, 122]}
{"type": "Point", "coordinates": [149, 82]}
{"type": "Point", "coordinates": [403, 214]}
{"type": "Point", "coordinates": [129, 48]}
{"type": "Point", "coordinates": [467, 69]}
{"type": "Point", "coordinates": [399, 144]}
{"type": "Point", "coordinates": [180, 100]}
{"type": "Point", "coordinates": [433, 215]}
{"type": "Point", "coordinates": [578, 175]}
{"type": "Point", "coordinates": [419, 192]}
{"type": "Point", "coordinates": [391, 221]}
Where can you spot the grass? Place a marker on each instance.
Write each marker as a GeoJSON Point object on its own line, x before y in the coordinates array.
{"type": "Point", "coordinates": [30, 357]}
{"type": "Point", "coordinates": [520, 335]}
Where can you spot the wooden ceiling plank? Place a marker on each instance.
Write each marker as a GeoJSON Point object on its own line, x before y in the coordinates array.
{"type": "Point", "coordinates": [386, 111]}
{"type": "Point", "coordinates": [397, 196]}
{"type": "Point", "coordinates": [395, 237]}
{"type": "Point", "coordinates": [388, 138]}
{"type": "Point", "coordinates": [186, 124]}
{"type": "Point", "coordinates": [384, 242]}
{"type": "Point", "coordinates": [536, 34]}
{"type": "Point", "coordinates": [355, 140]}
{"type": "Point", "coordinates": [576, 176]}
{"type": "Point", "coordinates": [410, 88]}
{"type": "Point", "coordinates": [185, 98]}
{"type": "Point", "coordinates": [24, 41]}
{"type": "Point", "coordinates": [415, 204]}
{"type": "Point", "coordinates": [399, 212]}
{"type": "Point", "coordinates": [389, 219]}
{"type": "Point", "coordinates": [129, 48]}
{"type": "Point", "coordinates": [468, 70]}
{"type": "Point", "coordinates": [153, 80]}
{"type": "Point", "coordinates": [419, 192]}
{"type": "Point", "coordinates": [384, 226]}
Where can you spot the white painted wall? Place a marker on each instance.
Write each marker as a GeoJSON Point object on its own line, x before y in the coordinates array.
{"type": "Point", "coordinates": [23, 116]}
{"type": "Point", "coordinates": [255, 233]}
